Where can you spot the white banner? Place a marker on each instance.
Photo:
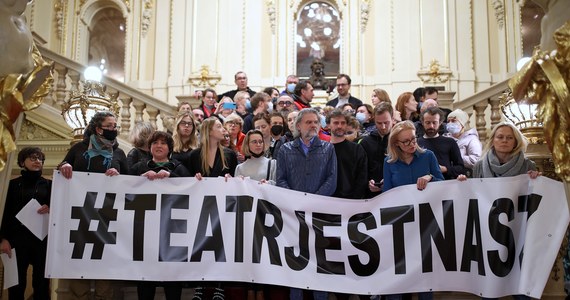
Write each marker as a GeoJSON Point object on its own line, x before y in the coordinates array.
{"type": "Point", "coordinates": [490, 237]}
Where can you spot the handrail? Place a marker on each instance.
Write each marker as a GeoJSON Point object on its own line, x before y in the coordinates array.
{"type": "Point", "coordinates": [490, 92]}
{"type": "Point", "coordinates": [110, 82]}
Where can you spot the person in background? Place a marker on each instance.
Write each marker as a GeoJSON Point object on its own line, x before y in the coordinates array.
{"type": "Point", "coordinates": [353, 130]}
{"type": "Point", "coordinates": [225, 107]}
{"type": "Point", "coordinates": [407, 163]}
{"type": "Point", "coordinates": [343, 83]}
{"type": "Point", "coordinates": [185, 139]}
{"type": "Point", "coordinates": [233, 124]}
{"type": "Point", "coordinates": [407, 106]}
{"type": "Point", "coordinates": [467, 139]}
{"type": "Point", "coordinates": [241, 86]}
{"type": "Point", "coordinates": [290, 84]}
{"type": "Point", "coordinates": [364, 115]}
{"type": "Point", "coordinates": [376, 144]}
{"type": "Point", "coordinates": [304, 93]}
{"type": "Point", "coordinates": [379, 95]}
{"type": "Point", "coordinates": [260, 104]}
{"type": "Point", "coordinates": [285, 105]}
{"type": "Point", "coordinates": [139, 138]}
{"type": "Point", "coordinates": [273, 93]}
{"type": "Point", "coordinates": [444, 148]}
{"type": "Point", "coordinates": [419, 96]}
{"type": "Point", "coordinates": [348, 108]}
{"type": "Point", "coordinates": [243, 104]}
{"type": "Point", "coordinates": [278, 129]}
{"type": "Point", "coordinates": [209, 102]}
{"type": "Point", "coordinates": [14, 235]}
{"type": "Point", "coordinates": [184, 107]}
{"type": "Point", "coordinates": [262, 122]}
{"type": "Point", "coordinates": [198, 115]}
{"type": "Point", "coordinates": [291, 125]}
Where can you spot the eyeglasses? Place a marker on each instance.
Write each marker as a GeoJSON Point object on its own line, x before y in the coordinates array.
{"type": "Point", "coordinates": [115, 127]}
{"type": "Point", "coordinates": [232, 123]}
{"type": "Point", "coordinates": [36, 158]}
{"type": "Point", "coordinates": [256, 142]}
{"type": "Point", "coordinates": [408, 142]}
{"type": "Point", "coordinates": [284, 103]}
{"type": "Point", "coordinates": [350, 111]}
{"type": "Point", "coordinates": [186, 124]}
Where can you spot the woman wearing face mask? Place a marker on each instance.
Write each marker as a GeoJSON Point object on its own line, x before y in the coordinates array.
{"type": "Point", "coordinates": [278, 129]}
{"type": "Point", "coordinates": [99, 151]}
{"type": "Point", "coordinates": [31, 186]}
{"type": "Point", "coordinates": [467, 139]}
{"type": "Point", "coordinates": [364, 115]}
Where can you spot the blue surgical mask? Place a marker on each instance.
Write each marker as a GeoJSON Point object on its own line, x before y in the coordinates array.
{"type": "Point", "coordinates": [323, 121]}
{"type": "Point", "coordinates": [291, 88]}
{"type": "Point", "coordinates": [453, 128]}
{"type": "Point", "coordinates": [361, 117]}
{"type": "Point", "coordinates": [247, 104]}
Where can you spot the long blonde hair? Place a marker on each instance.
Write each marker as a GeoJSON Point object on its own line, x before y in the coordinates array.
{"type": "Point", "coordinates": [205, 129]}
{"type": "Point", "coordinates": [192, 143]}
{"type": "Point", "coordinates": [394, 152]}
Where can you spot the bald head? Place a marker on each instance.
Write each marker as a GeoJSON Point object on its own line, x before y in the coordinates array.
{"type": "Point", "coordinates": [427, 104]}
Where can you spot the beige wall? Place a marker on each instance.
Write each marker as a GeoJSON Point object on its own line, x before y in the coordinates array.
{"type": "Point", "coordinates": [230, 35]}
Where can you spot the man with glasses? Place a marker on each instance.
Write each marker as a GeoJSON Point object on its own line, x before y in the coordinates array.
{"type": "Point", "coordinates": [445, 149]}
{"type": "Point", "coordinates": [198, 115]}
{"type": "Point", "coordinates": [375, 145]}
{"type": "Point", "coordinates": [285, 105]}
{"type": "Point", "coordinates": [343, 87]}
{"type": "Point", "coordinates": [241, 83]}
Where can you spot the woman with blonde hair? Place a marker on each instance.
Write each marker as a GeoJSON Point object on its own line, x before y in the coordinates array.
{"type": "Point", "coordinates": [185, 138]}
{"type": "Point", "coordinates": [504, 154]}
{"type": "Point", "coordinates": [408, 163]}
{"type": "Point", "coordinates": [407, 106]}
{"type": "Point", "coordinates": [211, 159]}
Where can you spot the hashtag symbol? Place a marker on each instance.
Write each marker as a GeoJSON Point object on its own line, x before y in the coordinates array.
{"type": "Point", "coordinates": [88, 213]}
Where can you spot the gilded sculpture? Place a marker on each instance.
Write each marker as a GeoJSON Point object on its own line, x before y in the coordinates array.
{"type": "Point", "coordinates": [25, 78]}
{"type": "Point", "coordinates": [544, 81]}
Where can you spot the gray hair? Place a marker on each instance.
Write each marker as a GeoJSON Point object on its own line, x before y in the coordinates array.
{"type": "Point", "coordinates": [303, 112]}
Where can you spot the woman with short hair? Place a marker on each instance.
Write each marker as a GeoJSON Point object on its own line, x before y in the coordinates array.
{"type": "Point", "coordinates": [31, 186]}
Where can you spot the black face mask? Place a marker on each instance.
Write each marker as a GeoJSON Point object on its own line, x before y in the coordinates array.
{"type": "Point", "coordinates": [110, 135]}
{"type": "Point", "coordinates": [277, 129]}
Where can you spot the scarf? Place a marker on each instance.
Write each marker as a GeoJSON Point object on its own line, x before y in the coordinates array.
{"type": "Point", "coordinates": [99, 146]}
{"type": "Point", "coordinates": [493, 168]}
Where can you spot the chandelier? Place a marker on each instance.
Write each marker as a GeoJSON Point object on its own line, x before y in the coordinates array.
{"type": "Point", "coordinates": [84, 102]}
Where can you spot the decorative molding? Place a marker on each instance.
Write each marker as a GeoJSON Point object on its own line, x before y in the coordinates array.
{"type": "Point", "coordinates": [435, 73]}
{"type": "Point", "coordinates": [204, 78]}
{"type": "Point", "coordinates": [31, 131]}
{"type": "Point", "coordinates": [271, 13]}
{"type": "Point", "coordinates": [59, 8]}
{"type": "Point", "coordinates": [364, 14]}
{"type": "Point", "coordinates": [146, 17]}
{"type": "Point", "coordinates": [499, 7]}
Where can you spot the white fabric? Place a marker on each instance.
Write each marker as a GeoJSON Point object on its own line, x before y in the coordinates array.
{"type": "Point", "coordinates": [540, 233]}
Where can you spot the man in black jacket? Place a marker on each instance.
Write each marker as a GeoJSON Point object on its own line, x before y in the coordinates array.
{"type": "Point", "coordinates": [376, 144]}
{"type": "Point", "coordinates": [343, 87]}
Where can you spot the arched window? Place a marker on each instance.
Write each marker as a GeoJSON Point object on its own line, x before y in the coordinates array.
{"type": "Point", "coordinates": [107, 42]}
{"type": "Point", "coordinates": [318, 37]}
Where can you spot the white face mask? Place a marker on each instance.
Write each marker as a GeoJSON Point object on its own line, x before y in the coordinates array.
{"type": "Point", "coordinates": [453, 128]}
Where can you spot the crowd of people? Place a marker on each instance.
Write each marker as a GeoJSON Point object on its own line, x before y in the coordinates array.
{"type": "Point", "coordinates": [346, 149]}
